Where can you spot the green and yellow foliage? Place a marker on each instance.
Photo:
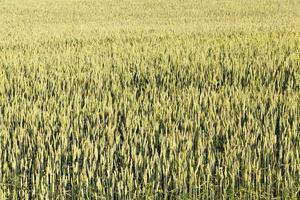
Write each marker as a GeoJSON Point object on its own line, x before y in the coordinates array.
{"type": "Point", "coordinates": [149, 99]}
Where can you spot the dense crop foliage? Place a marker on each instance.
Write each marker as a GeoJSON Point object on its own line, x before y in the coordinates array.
{"type": "Point", "coordinates": [197, 112]}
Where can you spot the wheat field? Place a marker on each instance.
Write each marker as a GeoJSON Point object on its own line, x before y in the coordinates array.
{"type": "Point", "coordinates": [149, 99]}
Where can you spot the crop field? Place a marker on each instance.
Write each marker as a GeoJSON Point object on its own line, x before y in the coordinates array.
{"type": "Point", "coordinates": [128, 99]}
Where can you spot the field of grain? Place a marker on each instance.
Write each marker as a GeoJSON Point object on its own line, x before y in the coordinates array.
{"type": "Point", "coordinates": [149, 99]}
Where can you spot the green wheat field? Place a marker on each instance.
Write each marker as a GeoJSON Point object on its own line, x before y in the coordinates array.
{"type": "Point", "coordinates": [149, 99]}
